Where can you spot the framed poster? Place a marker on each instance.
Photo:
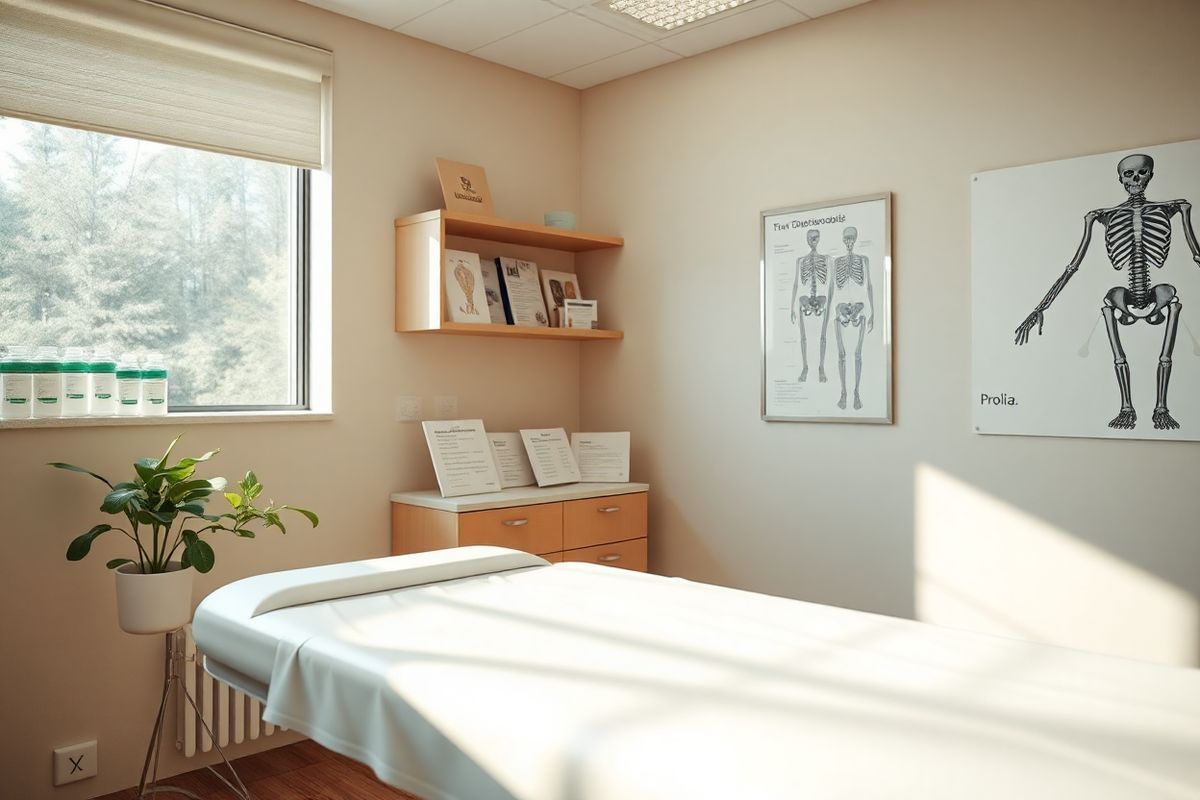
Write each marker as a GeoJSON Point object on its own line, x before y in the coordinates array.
{"type": "Point", "coordinates": [1084, 285]}
{"type": "Point", "coordinates": [826, 284]}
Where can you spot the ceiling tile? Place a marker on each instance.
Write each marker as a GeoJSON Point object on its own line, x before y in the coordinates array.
{"type": "Point", "coordinates": [384, 13]}
{"type": "Point", "coordinates": [557, 45]}
{"type": "Point", "coordinates": [755, 20]}
{"type": "Point", "coordinates": [817, 8]}
{"type": "Point", "coordinates": [618, 66]}
{"type": "Point", "coordinates": [469, 24]}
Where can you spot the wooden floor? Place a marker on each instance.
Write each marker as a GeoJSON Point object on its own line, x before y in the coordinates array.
{"type": "Point", "coordinates": [300, 771]}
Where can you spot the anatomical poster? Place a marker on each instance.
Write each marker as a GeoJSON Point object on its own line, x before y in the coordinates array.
{"type": "Point", "coordinates": [1085, 287]}
{"type": "Point", "coordinates": [826, 312]}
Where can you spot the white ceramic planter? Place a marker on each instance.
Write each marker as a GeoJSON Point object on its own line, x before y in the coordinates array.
{"type": "Point", "coordinates": [154, 603]}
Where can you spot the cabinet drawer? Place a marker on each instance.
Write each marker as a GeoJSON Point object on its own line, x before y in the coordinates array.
{"type": "Point", "coordinates": [553, 558]}
{"type": "Point", "coordinates": [604, 519]}
{"type": "Point", "coordinates": [534, 529]}
{"type": "Point", "coordinates": [629, 555]}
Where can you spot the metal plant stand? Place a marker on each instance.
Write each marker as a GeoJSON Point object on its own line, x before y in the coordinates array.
{"type": "Point", "coordinates": [172, 679]}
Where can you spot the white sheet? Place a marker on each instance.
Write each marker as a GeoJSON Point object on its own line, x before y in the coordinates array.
{"type": "Point", "coordinates": [579, 682]}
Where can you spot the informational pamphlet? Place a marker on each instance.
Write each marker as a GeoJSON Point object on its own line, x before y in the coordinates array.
{"type": "Point", "coordinates": [462, 456]}
{"type": "Point", "coordinates": [522, 294]}
{"type": "Point", "coordinates": [491, 288]}
{"type": "Point", "coordinates": [559, 286]}
{"type": "Point", "coordinates": [512, 463]}
{"type": "Point", "coordinates": [550, 456]}
{"type": "Point", "coordinates": [580, 314]}
{"type": "Point", "coordinates": [602, 457]}
{"type": "Point", "coordinates": [466, 300]}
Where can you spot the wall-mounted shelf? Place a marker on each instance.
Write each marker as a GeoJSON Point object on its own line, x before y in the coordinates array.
{"type": "Point", "coordinates": [420, 253]}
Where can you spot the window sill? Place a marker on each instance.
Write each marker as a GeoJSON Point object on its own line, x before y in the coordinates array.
{"type": "Point", "coordinates": [172, 418]}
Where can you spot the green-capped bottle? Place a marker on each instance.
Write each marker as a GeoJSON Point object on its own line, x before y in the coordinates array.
{"type": "Point", "coordinates": [129, 386]}
{"type": "Point", "coordinates": [103, 369]}
{"type": "Point", "coordinates": [47, 383]}
{"type": "Point", "coordinates": [76, 383]}
{"type": "Point", "coordinates": [16, 375]}
{"type": "Point", "coordinates": [154, 385]}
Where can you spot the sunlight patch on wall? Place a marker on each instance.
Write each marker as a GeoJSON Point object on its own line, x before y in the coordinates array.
{"type": "Point", "coordinates": [985, 565]}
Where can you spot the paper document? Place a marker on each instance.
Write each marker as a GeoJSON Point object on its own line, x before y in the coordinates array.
{"type": "Point", "coordinates": [550, 456]}
{"type": "Point", "coordinates": [511, 461]}
{"type": "Point", "coordinates": [462, 457]}
{"type": "Point", "coordinates": [602, 457]}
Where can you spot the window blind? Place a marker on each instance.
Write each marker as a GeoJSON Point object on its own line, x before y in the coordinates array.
{"type": "Point", "coordinates": [138, 68]}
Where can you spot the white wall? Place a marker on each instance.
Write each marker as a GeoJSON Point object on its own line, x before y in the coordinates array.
{"type": "Point", "coordinates": [66, 672]}
{"type": "Point", "coordinates": [1086, 543]}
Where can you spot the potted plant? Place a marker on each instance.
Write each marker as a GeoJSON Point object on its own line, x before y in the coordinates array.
{"type": "Point", "coordinates": [154, 590]}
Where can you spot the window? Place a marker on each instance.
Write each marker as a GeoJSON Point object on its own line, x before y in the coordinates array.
{"type": "Point", "coordinates": [139, 246]}
{"type": "Point", "coordinates": [155, 195]}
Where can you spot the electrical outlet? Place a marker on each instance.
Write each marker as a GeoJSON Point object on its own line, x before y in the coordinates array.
{"type": "Point", "coordinates": [445, 406]}
{"type": "Point", "coordinates": [409, 408]}
{"type": "Point", "coordinates": [75, 762]}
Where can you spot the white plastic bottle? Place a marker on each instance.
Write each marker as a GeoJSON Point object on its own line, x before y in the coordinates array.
{"type": "Point", "coordinates": [129, 386]}
{"type": "Point", "coordinates": [16, 375]}
{"type": "Point", "coordinates": [103, 369]}
{"type": "Point", "coordinates": [47, 383]}
{"type": "Point", "coordinates": [77, 383]}
{"type": "Point", "coordinates": [154, 385]}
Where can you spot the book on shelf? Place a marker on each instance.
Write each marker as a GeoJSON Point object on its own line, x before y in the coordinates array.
{"type": "Point", "coordinates": [466, 300]}
{"type": "Point", "coordinates": [521, 292]}
{"type": "Point", "coordinates": [492, 289]}
{"type": "Point", "coordinates": [559, 287]}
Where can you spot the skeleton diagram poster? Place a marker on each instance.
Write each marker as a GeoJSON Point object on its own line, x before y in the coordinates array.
{"type": "Point", "coordinates": [827, 314]}
{"type": "Point", "coordinates": [1086, 296]}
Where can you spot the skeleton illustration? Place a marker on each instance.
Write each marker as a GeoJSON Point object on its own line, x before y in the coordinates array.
{"type": "Point", "coordinates": [1137, 235]}
{"type": "Point", "coordinates": [810, 270]}
{"type": "Point", "coordinates": [852, 284]}
{"type": "Point", "coordinates": [466, 282]}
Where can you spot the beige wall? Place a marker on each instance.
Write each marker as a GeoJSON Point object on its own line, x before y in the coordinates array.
{"type": "Point", "coordinates": [66, 672]}
{"type": "Point", "coordinates": [1086, 543]}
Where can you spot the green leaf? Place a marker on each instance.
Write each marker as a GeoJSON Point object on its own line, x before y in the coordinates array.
{"type": "Point", "coordinates": [82, 544]}
{"type": "Point", "coordinates": [250, 485]}
{"type": "Point", "coordinates": [120, 499]}
{"type": "Point", "coordinates": [73, 468]}
{"type": "Point", "coordinates": [199, 552]}
{"type": "Point", "coordinates": [196, 508]}
{"type": "Point", "coordinates": [116, 562]}
{"type": "Point", "coordinates": [185, 560]}
{"type": "Point", "coordinates": [166, 455]}
{"type": "Point", "coordinates": [200, 487]}
{"type": "Point", "coordinates": [160, 517]}
{"type": "Point", "coordinates": [191, 462]}
{"type": "Point", "coordinates": [274, 520]}
{"type": "Point", "coordinates": [310, 516]}
{"type": "Point", "coordinates": [245, 534]}
{"type": "Point", "coordinates": [234, 499]}
{"type": "Point", "coordinates": [146, 468]}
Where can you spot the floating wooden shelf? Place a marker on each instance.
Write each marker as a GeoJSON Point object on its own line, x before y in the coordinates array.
{"type": "Point", "coordinates": [420, 254]}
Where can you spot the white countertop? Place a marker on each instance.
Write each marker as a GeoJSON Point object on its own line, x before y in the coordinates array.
{"type": "Point", "coordinates": [523, 496]}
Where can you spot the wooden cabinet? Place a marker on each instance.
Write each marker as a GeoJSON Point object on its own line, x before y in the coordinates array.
{"type": "Point", "coordinates": [421, 242]}
{"type": "Point", "coordinates": [604, 523]}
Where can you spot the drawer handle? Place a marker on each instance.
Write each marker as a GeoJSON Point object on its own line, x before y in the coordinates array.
{"type": "Point", "coordinates": [516, 523]}
{"type": "Point", "coordinates": [611, 557]}
{"type": "Point", "coordinates": [608, 509]}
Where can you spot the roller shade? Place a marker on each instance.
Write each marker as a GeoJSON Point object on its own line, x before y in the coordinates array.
{"type": "Point", "coordinates": [137, 68]}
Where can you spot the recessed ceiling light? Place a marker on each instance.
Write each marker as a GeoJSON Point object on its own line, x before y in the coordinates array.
{"type": "Point", "coordinates": [670, 14]}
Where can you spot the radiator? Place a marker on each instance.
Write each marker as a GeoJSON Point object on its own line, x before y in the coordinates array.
{"type": "Point", "coordinates": [231, 715]}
